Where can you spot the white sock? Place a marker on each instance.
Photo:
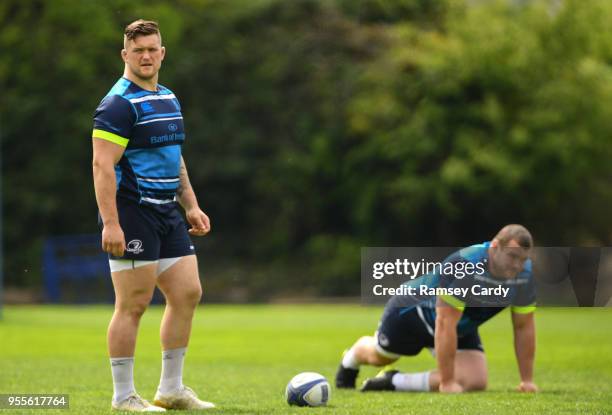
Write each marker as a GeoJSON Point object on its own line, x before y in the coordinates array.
{"type": "Point", "coordinates": [349, 361]}
{"type": "Point", "coordinates": [172, 370]}
{"type": "Point", "coordinates": [123, 377]}
{"type": "Point", "coordinates": [415, 382]}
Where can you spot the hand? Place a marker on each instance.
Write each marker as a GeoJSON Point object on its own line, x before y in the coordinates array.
{"type": "Point", "coordinates": [528, 387]}
{"type": "Point", "coordinates": [450, 387]}
{"type": "Point", "coordinates": [113, 240]}
{"type": "Point", "coordinates": [199, 221]}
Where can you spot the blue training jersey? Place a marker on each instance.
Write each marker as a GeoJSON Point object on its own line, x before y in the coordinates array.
{"type": "Point", "coordinates": [149, 124]}
{"type": "Point", "coordinates": [477, 307]}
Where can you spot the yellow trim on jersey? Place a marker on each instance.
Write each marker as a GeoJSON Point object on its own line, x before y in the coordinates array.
{"type": "Point", "coordinates": [113, 138]}
{"type": "Point", "coordinates": [455, 302]}
{"type": "Point", "coordinates": [523, 309]}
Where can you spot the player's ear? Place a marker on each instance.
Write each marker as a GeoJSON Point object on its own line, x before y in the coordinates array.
{"type": "Point", "coordinates": [124, 55]}
{"type": "Point", "coordinates": [163, 52]}
{"type": "Point", "coordinates": [495, 243]}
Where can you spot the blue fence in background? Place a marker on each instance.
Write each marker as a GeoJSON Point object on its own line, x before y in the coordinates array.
{"type": "Point", "coordinates": [75, 270]}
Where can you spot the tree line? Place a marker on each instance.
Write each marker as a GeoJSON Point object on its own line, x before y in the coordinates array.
{"type": "Point", "coordinates": [317, 127]}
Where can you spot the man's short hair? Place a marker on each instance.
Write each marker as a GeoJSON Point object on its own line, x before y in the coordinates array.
{"type": "Point", "coordinates": [141, 28]}
{"type": "Point", "coordinates": [515, 232]}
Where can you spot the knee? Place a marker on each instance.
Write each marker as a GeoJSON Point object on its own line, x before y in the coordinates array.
{"type": "Point", "coordinates": [133, 309]}
{"type": "Point", "coordinates": [475, 385]}
{"type": "Point", "coordinates": [188, 298]}
{"type": "Point", "coordinates": [193, 296]}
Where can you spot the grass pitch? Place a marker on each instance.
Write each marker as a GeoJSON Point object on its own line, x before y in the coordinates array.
{"type": "Point", "coordinates": [241, 358]}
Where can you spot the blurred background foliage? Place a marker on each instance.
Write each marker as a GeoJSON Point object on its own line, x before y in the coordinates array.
{"type": "Point", "coordinates": [316, 127]}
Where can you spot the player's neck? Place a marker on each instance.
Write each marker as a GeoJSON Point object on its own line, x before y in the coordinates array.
{"type": "Point", "coordinates": [146, 84]}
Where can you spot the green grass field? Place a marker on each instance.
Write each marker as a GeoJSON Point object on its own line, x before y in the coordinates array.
{"type": "Point", "coordinates": [241, 358]}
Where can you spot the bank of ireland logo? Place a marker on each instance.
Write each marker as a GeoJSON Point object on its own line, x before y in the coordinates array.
{"type": "Point", "coordinates": [135, 246]}
{"type": "Point", "coordinates": [172, 127]}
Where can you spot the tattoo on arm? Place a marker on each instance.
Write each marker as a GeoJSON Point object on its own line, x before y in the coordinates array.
{"type": "Point", "coordinates": [184, 183]}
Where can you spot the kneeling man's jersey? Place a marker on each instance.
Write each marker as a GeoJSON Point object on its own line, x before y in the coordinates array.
{"type": "Point", "coordinates": [479, 294]}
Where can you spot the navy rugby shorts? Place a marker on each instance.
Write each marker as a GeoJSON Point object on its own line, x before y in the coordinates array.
{"type": "Point", "coordinates": [404, 332]}
{"type": "Point", "coordinates": [151, 234]}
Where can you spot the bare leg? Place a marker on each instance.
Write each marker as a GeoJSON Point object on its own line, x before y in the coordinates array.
{"type": "Point", "coordinates": [367, 354]}
{"type": "Point", "coordinates": [181, 286]}
{"type": "Point", "coordinates": [133, 292]}
{"type": "Point", "coordinates": [470, 370]}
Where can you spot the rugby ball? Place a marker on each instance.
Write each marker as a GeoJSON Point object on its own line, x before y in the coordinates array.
{"type": "Point", "coordinates": [308, 389]}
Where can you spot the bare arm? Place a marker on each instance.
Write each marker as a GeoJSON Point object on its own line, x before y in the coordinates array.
{"type": "Point", "coordinates": [447, 318]}
{"type": "Point", "coordinates": [524, 347]}
{"type": "Point", "coordinates": [186, 197]}
{"type": "Point", "coordinates": [105, 156]}
{"type": "Point", "coordinates": [185, 194]}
